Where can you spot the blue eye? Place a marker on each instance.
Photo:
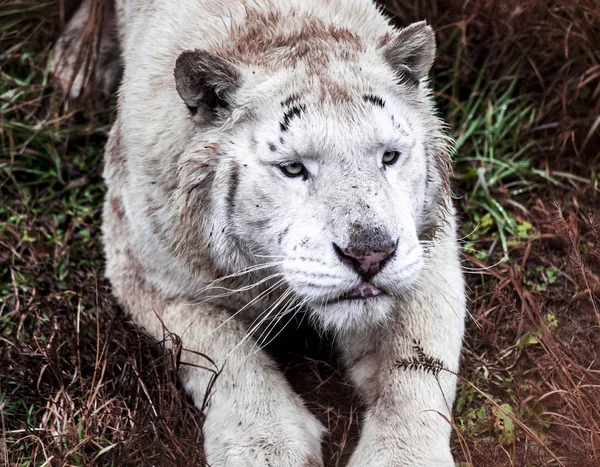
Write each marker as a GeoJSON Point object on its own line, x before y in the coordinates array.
{"type": "Point", "coordinates": [390, 158]}
{"type": "Point", "coordinates": [293, 170]}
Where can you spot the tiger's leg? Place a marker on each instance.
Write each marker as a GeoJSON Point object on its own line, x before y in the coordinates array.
{"type": "Point", "coordinates": [401, 370]}
{"type": "Point", "coordinates": [87, 58]}
{"type": "Point", "coordinates": [253, 418]}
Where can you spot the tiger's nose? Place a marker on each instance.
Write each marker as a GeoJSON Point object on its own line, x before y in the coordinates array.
{"type": "Point", "coordinates": [366, 261]}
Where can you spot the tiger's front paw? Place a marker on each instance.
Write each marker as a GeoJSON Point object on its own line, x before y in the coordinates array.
{"type": "Point", "coordinates": [378, 455]}
{"type": "Point", "coordinates": [289, 436]}
{"type": "Point", "coordinates": [401, 445]}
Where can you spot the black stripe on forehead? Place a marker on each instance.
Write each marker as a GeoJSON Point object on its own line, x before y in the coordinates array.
{"type": "Point", "coordinates": [373, 99]}
{"type": "Point", "coordinates": [291, 113]}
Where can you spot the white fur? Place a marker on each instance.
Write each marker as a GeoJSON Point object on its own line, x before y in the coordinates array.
{"type": "Point", "coordinates": [158, 155]}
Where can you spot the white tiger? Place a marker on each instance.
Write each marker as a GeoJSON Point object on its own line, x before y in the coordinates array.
{"type": "Point", "coordinates": [272, 156]}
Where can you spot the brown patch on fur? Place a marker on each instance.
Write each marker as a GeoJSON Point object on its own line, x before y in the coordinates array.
{"type": "Point", "coordinates": [335, 91]}
{"type": "Point", "coordinates": [191, 204]}
{"type": "Point", "coordinates": [261, 41]}
{"type": "Point", "coordinates": [253, 143]}
{"type": "Point", "coordinates": [152, 208]}
{"type": "Point", "coordinates": [116, 204]}
{"type": "Point", "coordinates": [115, 167]}
{"type": "Point", "coordinates": [385, 39]}
{"type": "Point", "coordinates": [343, 35]}
{"type": "Point", "coordinates": [128, 275]}
{"type": "Point", "coordinates": [135, 293]}
{"type": "Point", "coordinates": [132, 267]}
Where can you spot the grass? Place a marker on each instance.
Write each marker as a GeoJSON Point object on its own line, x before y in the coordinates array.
{"type": "Point", "coordinates": [519, 84]}
{"type": "Point", "coordinates": [489, 138]}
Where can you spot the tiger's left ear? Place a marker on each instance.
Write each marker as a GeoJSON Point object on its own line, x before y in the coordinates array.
{"type": "Point", "coordinates": [205, 82]}
{"type": "Point", "coordinates": [411, 52]}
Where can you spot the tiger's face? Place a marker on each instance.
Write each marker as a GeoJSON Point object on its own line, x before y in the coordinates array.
{"type": "Point", "coordinates": [332, 194]}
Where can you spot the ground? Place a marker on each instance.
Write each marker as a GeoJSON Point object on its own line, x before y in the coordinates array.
{"type": "Point", "coordinates": [518, 83]}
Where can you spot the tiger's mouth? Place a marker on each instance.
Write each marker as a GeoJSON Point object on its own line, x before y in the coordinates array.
{"type": "Point", "coordinates": [363, 291]}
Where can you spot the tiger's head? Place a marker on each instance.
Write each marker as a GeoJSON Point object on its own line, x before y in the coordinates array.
{"type": "Point", "coordinates": [324, 167]}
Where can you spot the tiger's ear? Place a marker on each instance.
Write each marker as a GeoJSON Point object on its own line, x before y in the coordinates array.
{"type": "Point", "coordinates": [205, 82]}
{"type": "Point", "coordinates": [411, 52]}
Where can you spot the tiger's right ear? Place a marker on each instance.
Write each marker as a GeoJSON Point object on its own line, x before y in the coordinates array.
{"type": "Point", "coordinates": [205, 82]}
{"type": "Point", "coordinates": [411, 52]}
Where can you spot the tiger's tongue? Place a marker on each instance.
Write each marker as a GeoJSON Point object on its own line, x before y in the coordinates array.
{"type": "Point", "coordinates": [364, 290]}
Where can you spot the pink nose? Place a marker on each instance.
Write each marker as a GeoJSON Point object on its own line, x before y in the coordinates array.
{"type": "Point", "coordinates": [366, 262]}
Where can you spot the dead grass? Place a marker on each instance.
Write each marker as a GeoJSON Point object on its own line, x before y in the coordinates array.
{"type": "Point", "coordinates": [519, 83]}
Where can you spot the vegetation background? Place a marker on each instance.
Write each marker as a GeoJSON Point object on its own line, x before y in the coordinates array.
{"type": "Point", "coordinates": [519, 84]}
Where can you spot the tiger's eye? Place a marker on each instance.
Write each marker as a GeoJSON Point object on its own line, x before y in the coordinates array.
{"type": "Point", "coordinates": [295, 169]}
{"type": "Point", "coordinates": [390, 158]}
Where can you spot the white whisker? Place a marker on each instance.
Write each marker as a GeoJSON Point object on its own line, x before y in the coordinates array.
{"type": "Point", "coordinates": [229, 292]}
{"type": "Point", "coordinates": [270, 326]}
{"type": "Point", "coordinates": [247, 305]}
{"type": "Point", "coordinates": [289, 311]}
{"type": "Point", "coordinates": [466, 268]}
{"type": "Point", "coordinates": [248, 270]}
{"type": "Point", "coordinates": [256, 325]}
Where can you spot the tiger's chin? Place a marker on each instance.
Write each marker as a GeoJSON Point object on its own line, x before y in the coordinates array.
{"type": "Point", "coordinates": [344, 314]}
